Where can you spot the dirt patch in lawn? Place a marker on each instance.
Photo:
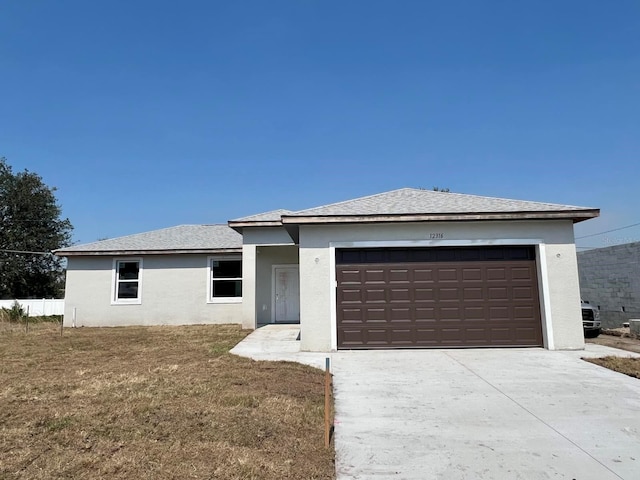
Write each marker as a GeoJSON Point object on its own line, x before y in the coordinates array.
{"type": "Point", "coordinates": [154, 403]}
{"type": "Point", "coordinates": [622, 339]}
{"type": "Point", "coordinates": [628, 366]}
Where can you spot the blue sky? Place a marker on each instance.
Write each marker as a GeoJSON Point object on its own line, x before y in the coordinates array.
{"type": "Point", "coordinates": [149, 114]}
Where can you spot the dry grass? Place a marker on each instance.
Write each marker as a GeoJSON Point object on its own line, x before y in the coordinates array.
{"type": "Point", "coordinates": [620, 339]}
{"type": "Point", "coordinates": [154, 403]}
{"type": "Point", "coordinates": [628, 366]}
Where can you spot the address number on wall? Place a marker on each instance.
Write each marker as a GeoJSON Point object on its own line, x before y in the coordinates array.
{"type": "Point", "coordinates": [436, 235]}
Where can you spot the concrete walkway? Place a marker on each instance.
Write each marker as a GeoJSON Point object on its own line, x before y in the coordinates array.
{"type": "Point", "coordinates": [474, 413]}
{"type": "Point", "coordinates": [278, 342]}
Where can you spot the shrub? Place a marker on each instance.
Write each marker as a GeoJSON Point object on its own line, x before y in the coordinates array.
{"type": "Point", "coordinates": [14, 314]}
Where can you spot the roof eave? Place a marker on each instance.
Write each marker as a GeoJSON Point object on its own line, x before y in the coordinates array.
{"type": "Point", "coordinates": [92, 253]}
{"type": "Point", "coordinates": [239, 225]}
{"type": "Point", "coordinates": [575, 215]}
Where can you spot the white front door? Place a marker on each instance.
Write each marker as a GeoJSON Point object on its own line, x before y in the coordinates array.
{"type": "Point", "coordinates": [286, 301]}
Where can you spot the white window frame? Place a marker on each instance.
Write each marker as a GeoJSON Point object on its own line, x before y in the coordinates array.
{"type": "Point", "coordinates": [210, 297]}
{"type": "Point", "coordinates": [114, 282]}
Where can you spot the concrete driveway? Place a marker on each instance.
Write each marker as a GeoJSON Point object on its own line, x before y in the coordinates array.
{"type": "Point", "coordinates": [475, 413]}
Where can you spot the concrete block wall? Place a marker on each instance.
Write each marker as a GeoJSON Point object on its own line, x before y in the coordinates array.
{"type": "Point", "coordinates": [610, 280]}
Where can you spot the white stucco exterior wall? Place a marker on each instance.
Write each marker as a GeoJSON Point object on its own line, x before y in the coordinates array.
{"type": "Point", "coordinates": [265, 236]}
{"type": "Point", "coordinates": [557, 269]}
{"type": "Point", "coordinates": [174, 292]}
{"type": "Point", "coordinates": [248, 286]}
{"type": "Point", "coordinates": [262, 247]}
{"type": "Point", "coordinates": [565, 314]}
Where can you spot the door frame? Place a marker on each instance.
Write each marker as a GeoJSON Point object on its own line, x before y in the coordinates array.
{"type": "Point", "coordinates": [273, 286]}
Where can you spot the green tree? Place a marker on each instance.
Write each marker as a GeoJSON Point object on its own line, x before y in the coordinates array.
{"type": "Point", "coordinates": [30, 228]}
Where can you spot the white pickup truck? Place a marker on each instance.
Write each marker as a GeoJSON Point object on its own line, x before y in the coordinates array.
{"type": "Point", "coordinates": [590, 320]}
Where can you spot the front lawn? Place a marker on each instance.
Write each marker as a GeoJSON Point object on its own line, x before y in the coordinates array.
{"type": "Point", "coordinates": [154, 403]}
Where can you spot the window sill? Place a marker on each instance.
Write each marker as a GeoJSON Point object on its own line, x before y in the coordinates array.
{"type": "Point", "coordinates": [127, 302]}
{"type": "Point", "coordinates": [225, 300]}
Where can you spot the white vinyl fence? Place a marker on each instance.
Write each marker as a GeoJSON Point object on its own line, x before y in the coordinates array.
{"type": "Point", "coordinates": [38, 307]}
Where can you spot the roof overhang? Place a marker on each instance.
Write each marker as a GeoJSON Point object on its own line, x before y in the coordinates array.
{"type": "Point", "coordinates": [113, 253]}
{"type": "Point", "coordinates": [292, 222]}
{"type": "Point", "coordinates": [574, 215]}
{"type": "Point", "coordinates": [238, 226]}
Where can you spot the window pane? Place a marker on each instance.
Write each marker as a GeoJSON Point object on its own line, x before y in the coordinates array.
{"type": "Point", "coordinates": [226, 268]}
{"type": "Point", "coordinates": [128, 270]}
{"type": "Point", "coordinates": [128, 290]}
{"type": "Point", "coordinates": [227, 288]}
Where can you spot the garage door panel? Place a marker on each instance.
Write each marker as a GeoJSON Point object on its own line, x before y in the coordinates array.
{"type": "Point", "coordinates": [375, 315]}
{"type": "Point", "coordinates": [402, 295]}
{"type": "Point", "coordinates": [373, 277]}
{"type": "Point", "coordinates": [377, 295]}
{"type": "Point", "coordinates": [398, 315]}
{"type": "Point", "coordinates": [423, 314]}
{"type": "Point", "coordinates": [472, 275]}
{"type": "Point", "coordinates": [451, 335]}
{"type": "Point", "coordinates": [496, 274]}
{"type": "Point", "coordinates": [439, 304]}
{"type": "Point", "coordinates": [522, 293]}
{"type": "Point", "coordinates": [478, 336]}
{"type": "Point", "coordinates": [526, 312]}
{"type": "Point", "coordinates": [422, 295]}
{"type": "Point", "coordinates": [449, 294]}
{"type": "Point", "coordinates": [352, 337]}
{"type": "Point", "coordinates": [424, 275]}
{"type": "Point", "coordinates": [499, 313]}
{"type": "Point", "coordinates": [448, 275]}
{"type": "Point", "coordinates": [350, 295]}
{"type": "Point", "coordinates": [427, 337]}
{"type": "Point", "coordinates": [498, 293]}
{"type": "Point", "coordinates": [474, 314]}
{"type": "Point", "coordinates": [500, 335]}
{"type": "Point", "coordinates": [353, 315]}
{"type": "Point", "coordinates": [351, 277]}
{"type": "Point", "coordinates": [450, 314]}
{"type": "Point", "coordinates": [526, 333]}
{"type": "Point", "coordinates": [401, 337]}
{"type": "Point", "coordinates": [521, 273]}
{"type": "Point", "coordinates": [399, 276]}
{"type": "Point", "coordinates": [475, 293]}
{"type": "Point", "coordinates": [377, 336]}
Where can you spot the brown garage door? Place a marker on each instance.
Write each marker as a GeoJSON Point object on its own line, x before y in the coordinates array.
{"type": "Point", "coordinates": [437, 297]}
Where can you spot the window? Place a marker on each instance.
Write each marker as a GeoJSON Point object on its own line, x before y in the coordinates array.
{"type": "Point", "coordinates": [127, 280]}
{"type": "Point", "coordinates": [225, 279]}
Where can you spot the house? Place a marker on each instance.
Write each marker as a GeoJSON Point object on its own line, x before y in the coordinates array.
{"type": "Point", "coordinates": [610, 281]}
{"type": "Point", "coordinates": [408, 268]}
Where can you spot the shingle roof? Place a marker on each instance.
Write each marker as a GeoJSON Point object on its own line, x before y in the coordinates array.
{"type": "Point", "coordinates": [415, 201]}
{"type": "Point", "coordinates": [406, 204]}
{"type": "Point", "coordinates": [183, 239]}
{"type": "Point", "coordinates": [272, 216]}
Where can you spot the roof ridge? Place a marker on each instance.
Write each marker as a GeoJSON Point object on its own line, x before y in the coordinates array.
{"type": "Point", "coordinates": [354, 199]}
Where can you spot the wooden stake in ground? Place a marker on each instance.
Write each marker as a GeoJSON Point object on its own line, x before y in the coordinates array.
{"type": "Point", "coordinates": [26, 321]}
{"type": "Point", "coordinates": [327, 404]}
